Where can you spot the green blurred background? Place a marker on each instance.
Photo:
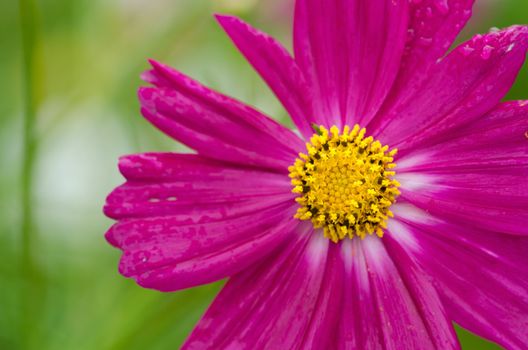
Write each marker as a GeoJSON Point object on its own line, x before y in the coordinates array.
{"type": "Point", "coordinates": [59, 286]}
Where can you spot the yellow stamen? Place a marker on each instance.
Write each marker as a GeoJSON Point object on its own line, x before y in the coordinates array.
{"type": "Point", "coordinates": [344, 183]}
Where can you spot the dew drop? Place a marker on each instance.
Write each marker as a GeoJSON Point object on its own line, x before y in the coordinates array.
{"type": "Point", "coordinates": [467, 50]}
{"type": "Point", "coordinates": [142, 256]}
{"type": "Point", "coordinates": [428, 12]}
{"type": "Point", "coordinates": [425, 41]}
{"type": "Point", "coordinates": [410, 35]}
{"type": "Point", "coordinates": [486, 52]}
{"type": "Point", "coordinates": [442, 6]}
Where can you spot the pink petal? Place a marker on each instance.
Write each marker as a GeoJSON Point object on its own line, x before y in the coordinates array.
{"type": "Point", "coordinates": [359, 327]}
{"type": "Point", "coordinates": [317, 295]}
{"type": "Point", "coordinates": [479, 208]}
{"type": "Point", "coordinates": [409, 312]}
{"type": "Point", "coordinates": [276, 66]}
{"type": "Point", "coordinates": [433, 26]}
{"type": "Point", "coordinates": [275, 302]}
{"type": "Point", "coordinates": [350, 52]}
{"type": "Point", "coordinates": [193, 187]}
{"type": "Point", "coordinates": [478, 176]}
{"type": "Point", "coordinates": [183, 257]}
{"type": "Point", "coordinates": [465, 85]}
{"type": "Point", "coordinates": [495, 142]}
{"type": "Point", "coordinates": [323, 326]}
{"type": "Point", "coordinates": [480, 274]}
{"type": "Point", "coordinates": [213, 124]}
{"type": "Point", "coordinates": [186, 220]}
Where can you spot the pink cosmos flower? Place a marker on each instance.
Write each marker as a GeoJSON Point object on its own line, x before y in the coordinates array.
{"type": "Point", "coordinates": [348, 245]}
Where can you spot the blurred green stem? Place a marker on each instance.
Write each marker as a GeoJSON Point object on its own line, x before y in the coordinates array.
{"type": "Point", "coordinates": [28, 30]}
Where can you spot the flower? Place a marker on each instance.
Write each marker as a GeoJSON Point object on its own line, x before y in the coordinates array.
{"type": "Point", "coordinates": [331, 239]}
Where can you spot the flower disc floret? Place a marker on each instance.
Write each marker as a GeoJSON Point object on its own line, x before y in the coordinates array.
{"type": "Point", "coordinates": [345, 183]}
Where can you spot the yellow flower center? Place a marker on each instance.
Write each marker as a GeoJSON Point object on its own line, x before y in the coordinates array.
{"type": "Point", "coordinates": [345, 183]}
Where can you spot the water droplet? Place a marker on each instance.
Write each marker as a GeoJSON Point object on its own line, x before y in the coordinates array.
{"type": "Point", "coordinates": [467, 50]}
{"type": "Point", "coordinates": [410, 35]}
{"type": "Point", "coordinates": [429, 12]}
{"type": "Point", "coordinates": [425, 41]}
{"type": "Point", "coordinates": [442, 6]}
{"type": "Point", "coordinates": [486, 52]}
